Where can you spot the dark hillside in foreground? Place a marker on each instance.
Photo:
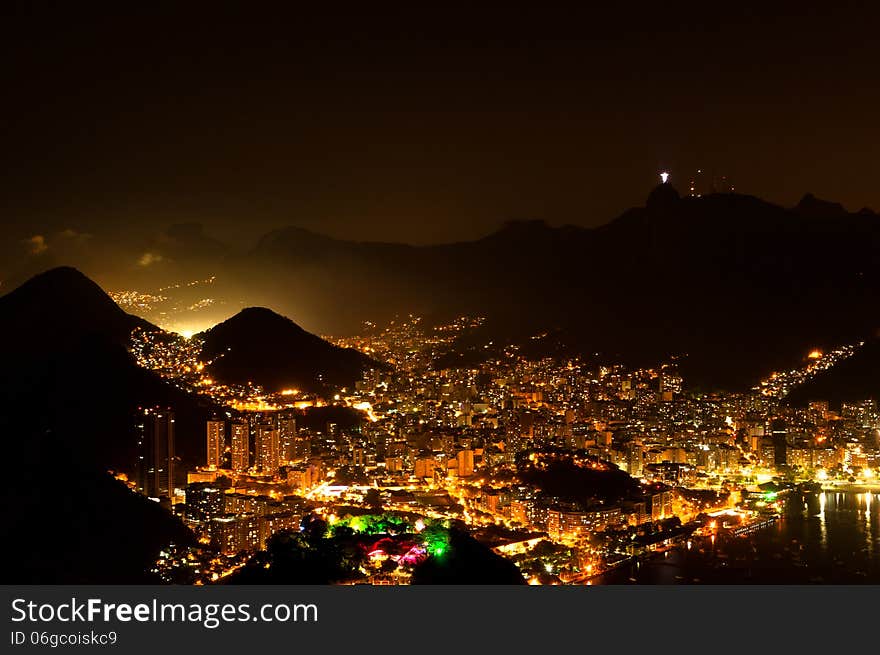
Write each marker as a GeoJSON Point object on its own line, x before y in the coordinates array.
{"type": "Point", "coordinates": [71, 390]}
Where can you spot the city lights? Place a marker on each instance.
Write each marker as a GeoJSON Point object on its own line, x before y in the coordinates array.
{"type": "Point", "coordinates": [472, 460]}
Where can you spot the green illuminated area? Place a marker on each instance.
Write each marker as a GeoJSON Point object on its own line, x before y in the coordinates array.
{"type": "Point", "coordinates": [436, 540]}
{"type": "Point", "coordinates": [433, 534]}
{"type": "Point", "coordinates": [373, 524]}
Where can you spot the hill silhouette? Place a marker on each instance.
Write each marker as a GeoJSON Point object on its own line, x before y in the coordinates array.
{"type": "Point", "coordinates": [851, 380]}
{"type": "Point", "coordinates": [74, 389]}
{"type": "Point", "coordinates": [583, 485]}
{"type": "Point", "coordinates": [466, 561]}
{"type": "Point", "coordinates": [261, 346]}
{"type": "Point", "coordinates": [64, 342]}
{"type": "Point", "coordinates": [62, 305]}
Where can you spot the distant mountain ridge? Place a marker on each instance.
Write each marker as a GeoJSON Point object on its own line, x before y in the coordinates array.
{"type": "Point", "coordinates": [735, 286]}
{"type": "Point", "coordinates": [739, 285]}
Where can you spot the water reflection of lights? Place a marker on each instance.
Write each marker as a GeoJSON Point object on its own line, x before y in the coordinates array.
{"type": "Point", "coordinates": [823, 536]}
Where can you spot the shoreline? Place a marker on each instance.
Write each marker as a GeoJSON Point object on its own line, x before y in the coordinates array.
{"type": "Point", "coordinates": [850, 487]}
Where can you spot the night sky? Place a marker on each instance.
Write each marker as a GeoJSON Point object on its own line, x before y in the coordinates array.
{"type": "Point", "coordinates": [427, 124]}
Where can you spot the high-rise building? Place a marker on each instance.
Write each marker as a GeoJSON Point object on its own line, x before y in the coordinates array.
{"type": "Point", "coordinates": [240, 446]}
{"type": "Point", "coordinates": [155, 466]}
{"type": "Point", "coordinates": [235, 534]}
{"type": "Point", "coordinates": [779, 433]}
{"type": "Point", "coordinates": [304, 477]}
{"type": "Point", "coordinates": [268, 448]}
{"type": "Point", "coordinates": [302, 447]}
{"type": "Point", "coordinates": [394, 464]}
{"type": "Point", "coordinates": [287, 435]}
{"type": "Point", "coordinates": [567, 523]}
{"type": "Point", "coordinates": [216, 433]}
{"type": "Point", "coordinates": [204, 501]}
{"type": "Point", "coordinates": [661, 506]}
{"type": "Point", "coordinates": [424, 467]}
{"type": "Point", "coordinates": [465, 463]}
{"type": "Point", "coordinates": [634, 459]}
{"type": "Point", "coordinates": [272, 523]}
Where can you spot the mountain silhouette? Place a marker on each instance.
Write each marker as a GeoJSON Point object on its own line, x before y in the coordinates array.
{"type": "Point", "coordinates": [735, 286]}
{"type": "Point", "coordinates": [72, 390]}
{"type": "Point", "coordinates": [61, 306]}
{"type": "Point", "coordinates": [261, 346]}
{"type": "Point", "coordinates": [65, 340]}
{"type": "Point", "coordinates": [812, 206]}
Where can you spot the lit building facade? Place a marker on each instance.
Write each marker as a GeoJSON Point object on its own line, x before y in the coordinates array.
{"type": "Point", "coordinates": [216, 443]}
{"type": "Point", "coordinates": [155, 465]}
{"type": "Point", "coordinates": [240, 446]}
